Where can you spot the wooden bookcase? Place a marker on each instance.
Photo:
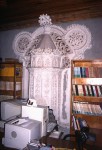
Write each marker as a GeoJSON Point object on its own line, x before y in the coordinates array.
{"type": "Point", "coordinates": [86, 96]}
{"type": "Point", "coordinates": [10, 80]}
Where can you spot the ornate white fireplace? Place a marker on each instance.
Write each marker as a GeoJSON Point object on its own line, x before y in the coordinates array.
{"type": "Point", "coordinates": [46, 56]}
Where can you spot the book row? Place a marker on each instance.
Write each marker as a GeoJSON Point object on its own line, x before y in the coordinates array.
{"type": "Point", "coordinates": [87, 108]}
{"type": "Point", "coordinates": [86, 72]}
{"type": "Point", "coordinates": [82, 129]}
{"type": "Point", "coordinates": [6, 85]}
{"type": "Point", "coordinates": [5, 97]}
{"type": "Point", "coordinates": [87, 90]}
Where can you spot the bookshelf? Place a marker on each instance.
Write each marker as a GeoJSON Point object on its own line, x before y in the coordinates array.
{"type": "Point", "coordinates": [86, 96]}
{"type": "Point", "coordinates": [10, 80]}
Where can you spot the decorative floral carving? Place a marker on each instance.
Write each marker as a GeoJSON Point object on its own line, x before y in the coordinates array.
{"type": "Point", "coordinates": [23, 43]}
{"type": "Point", "coordinates": [65, 62]}
{"type": "Point", "coordinates": [26, 60]}
{"type": "Point", "coordinates": [35, 42]}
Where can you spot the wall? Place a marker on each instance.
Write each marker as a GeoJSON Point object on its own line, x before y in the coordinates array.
{"type": "Point", "coordinates": [94, 25]}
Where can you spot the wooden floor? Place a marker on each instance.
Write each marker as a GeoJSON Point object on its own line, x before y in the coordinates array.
{"type": "Point", "coordinates": [67, 144]}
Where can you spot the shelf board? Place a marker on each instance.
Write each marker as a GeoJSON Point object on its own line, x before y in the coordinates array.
{"type": "Point", "coordinates": [87, 99]}
{"type": "Point", "coordinates": [87, 63]}
{"type": "Point", "coordinates": [86, 81]}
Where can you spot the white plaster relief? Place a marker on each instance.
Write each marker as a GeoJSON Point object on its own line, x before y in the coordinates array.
{"type": "Point", "coordinates": [37, 86]}
{"type": "Point", "coordinates": [55, 98]}
{"type": "Point", "coordinates": [56, 62]}
{"type": "Point", "coordinates": [64, 99]}
{"type": "Point", "coordinates": [46, 86]}
{"type": "Point", "coordinates": [68, 97]}
{"type": "Point", "coordinates": [31, 85]}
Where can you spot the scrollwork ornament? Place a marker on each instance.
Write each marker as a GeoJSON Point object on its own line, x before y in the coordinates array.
{"type": "Point", "coordinates": [65, 62]}
{"type": "Point", "coordinates": [60, 44]}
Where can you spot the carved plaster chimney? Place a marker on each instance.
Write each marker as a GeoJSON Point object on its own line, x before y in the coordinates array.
{"type": "Point", "coordinates": [46, 54]}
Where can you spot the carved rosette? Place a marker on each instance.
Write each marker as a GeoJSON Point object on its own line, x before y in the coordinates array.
{"type": "Point", "coordinates": [78, 37]}
{"type": "Point", "coordinates": [21, 43]}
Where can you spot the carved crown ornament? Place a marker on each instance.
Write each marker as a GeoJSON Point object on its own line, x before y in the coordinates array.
{"type": "Point", "coordinates": [53, 40]}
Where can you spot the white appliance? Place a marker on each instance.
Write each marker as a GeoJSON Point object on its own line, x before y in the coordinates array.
{"type": "Point", "coordinates": [39, 113]}
{"type": "Point", "coordinates": [20, 132]}
{"type": "Point", "coordinates": [10, 109]}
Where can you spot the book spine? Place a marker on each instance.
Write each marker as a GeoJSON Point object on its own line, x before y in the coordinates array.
{"type": "Point", "coordinates": [80, 90]}
{"type": "Point", "coordinates": [90, 109]}
{"type": "Point", "coordinates": [84, 91]}
{"type": "Point", "coordinates": [78, 107]}
{"type": "Point", "coordinates": [81, 72]}
{"type": "Point", "coordinates": [84, 72]}
{"type": "Point", "coordinates": [97, 93]}
{"type": "Point", "coordinates": [100, 89]}
{"type": "Point", "coordinates": [88, 90]}
{"type": "Point", "coordinates": [87, 72]}
{"type": "Point", "coordinates": [92, 90]}
{"type": "Point", "coordinates": [77, 122]}
{"type": "Point", "coordinates": [75, 72]}
{"type": "Point", "coordinates": [74, 109]}
{"type": "Point", "coordinates": [74, 123]}
{"type": "Point", "coordinates": [78, 72]}
{"type": "Point", "coordinates": [86, 108]}
{"type": "Point", "coordinates": [81, 107]}
{"type": "Point", "coordinates": [98, 109]}
{"type": "Point", "coordinates": [76, 88]}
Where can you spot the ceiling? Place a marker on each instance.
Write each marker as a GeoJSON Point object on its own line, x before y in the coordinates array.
{"type": "Point", "coordinates": [25, 13]}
